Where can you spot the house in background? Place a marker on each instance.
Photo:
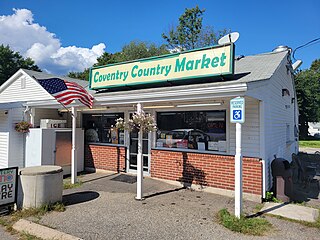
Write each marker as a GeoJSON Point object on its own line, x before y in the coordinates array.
{"type": "Point", "coordinates": [314, 129]}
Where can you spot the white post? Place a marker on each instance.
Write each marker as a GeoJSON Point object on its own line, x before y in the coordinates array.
{"type": "Point", "coordinates": [32, 110]}
{"type": "Point", "coordinates": [74, 155]}
{"type": "Point", "coordinates": [139, 161]}
{"type": "Point", "coordinates": [238, 173]}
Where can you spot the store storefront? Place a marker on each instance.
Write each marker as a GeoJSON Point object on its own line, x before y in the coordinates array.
{"type": "Point", "coordinates": [189, 96]}
{"type": "Point", "coordinates": [195, 141]}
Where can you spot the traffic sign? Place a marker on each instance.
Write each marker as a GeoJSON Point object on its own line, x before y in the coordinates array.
{"type": "Point", "coordinates": [237, 110]}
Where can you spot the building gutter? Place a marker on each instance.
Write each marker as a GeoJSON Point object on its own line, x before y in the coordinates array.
{"type": "Point", "coordinates": [161, 95]}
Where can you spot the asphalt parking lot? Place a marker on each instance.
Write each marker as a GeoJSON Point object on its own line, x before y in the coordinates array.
{"type": "Point", "coordinates": [104, 208]}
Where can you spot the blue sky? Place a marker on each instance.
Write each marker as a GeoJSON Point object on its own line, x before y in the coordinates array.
{"type": "Point", "coordinates": [69, 35]}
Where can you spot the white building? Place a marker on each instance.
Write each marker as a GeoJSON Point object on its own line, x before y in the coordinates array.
{"type": "Point", "coordinates": [195, 142]}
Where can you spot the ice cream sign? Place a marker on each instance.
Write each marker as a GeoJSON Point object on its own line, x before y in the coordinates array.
{"type": "Point", "coordinates": [193, 64]}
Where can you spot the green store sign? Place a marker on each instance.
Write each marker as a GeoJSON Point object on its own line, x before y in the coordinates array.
{"type": "Point", "coordinates": [212, 61]}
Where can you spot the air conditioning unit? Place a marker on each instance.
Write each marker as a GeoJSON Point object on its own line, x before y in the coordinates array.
{"type": "Point", "coordinates": [52, 123]}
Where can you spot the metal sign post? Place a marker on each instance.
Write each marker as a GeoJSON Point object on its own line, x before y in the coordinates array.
{"type": "Point", "coordinates": [237, 113]}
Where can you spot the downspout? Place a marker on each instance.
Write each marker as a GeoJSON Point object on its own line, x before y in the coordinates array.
{"type": "Point", "coordinates": [263, 147]}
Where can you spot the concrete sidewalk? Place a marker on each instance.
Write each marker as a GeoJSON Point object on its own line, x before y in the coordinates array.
{"type": "Point", "coordinates": [104, 208]}
{"type": "Point", "coordinates": [291, 211]}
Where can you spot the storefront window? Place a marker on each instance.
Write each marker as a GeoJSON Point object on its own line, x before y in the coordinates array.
{"type": "Point", "coordinates": [199, 130]}
{"type": "Point", "coordinates": [101, 128]}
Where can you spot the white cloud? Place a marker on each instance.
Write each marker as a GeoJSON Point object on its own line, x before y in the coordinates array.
{"type": "Point", "coordinates": [32, 40]}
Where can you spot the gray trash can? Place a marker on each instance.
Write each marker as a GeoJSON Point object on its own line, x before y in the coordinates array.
{"type": "Point", "coordinates": [39, 186]}
{"type": "Point", "coordinates": [282, 179]}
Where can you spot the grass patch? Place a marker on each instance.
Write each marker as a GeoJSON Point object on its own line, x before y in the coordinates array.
{"type": "Point", "coordinates": [250, 226]}
{"type": "Point", "coordinates": [310, 143]}
{"type": "Point", "coordinates": [27, 236]}
{"type": "Point", "coordinates": [35, 213]}
{"type": "Point", "coordinates": [68, 185]}
{"type": "Point", "coordinates": [271, 198]}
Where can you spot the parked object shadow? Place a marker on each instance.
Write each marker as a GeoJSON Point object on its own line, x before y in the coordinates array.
{"type": "Point", "coordinates": [191, 175]}
{"type": "Point", "coordinates": [79, 197]}
{"type": "Point", "coordinates": [306, 177]}
{"type": "Point", "coordinates": [260, 213]}
{"type": "Point", "coordinates": [164, 192]}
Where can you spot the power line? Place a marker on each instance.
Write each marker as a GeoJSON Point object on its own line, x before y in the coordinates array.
{"type": "Point", "coordinates": [314, 41]}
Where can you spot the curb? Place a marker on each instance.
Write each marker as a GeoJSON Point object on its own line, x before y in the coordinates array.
{"type": "Point", "coordinates": [41, 231]}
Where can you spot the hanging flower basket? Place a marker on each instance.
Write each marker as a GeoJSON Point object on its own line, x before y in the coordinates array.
{"type": "Point", "coordinates": [23, 127]}
{"type": "Point", "coordinates": [141, 120]}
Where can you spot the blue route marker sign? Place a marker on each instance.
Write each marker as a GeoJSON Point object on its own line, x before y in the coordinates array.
{"type": "Point", "coordinates": [237, 110]}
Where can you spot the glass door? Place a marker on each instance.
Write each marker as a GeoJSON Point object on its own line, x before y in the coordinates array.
{"type": "Point", "coordinates": [133, 151]}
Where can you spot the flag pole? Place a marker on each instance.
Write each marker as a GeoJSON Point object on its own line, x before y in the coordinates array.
{"type": "Point", "coordinates": [66, 108]}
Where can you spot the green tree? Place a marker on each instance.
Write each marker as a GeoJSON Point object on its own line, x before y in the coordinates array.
{"type": "Point", "coordinates": [11, 62]}
{"type": "Point", "coordinates": [190, 34]}
{"type": "Point", "coordinates": [308, 94]}
{"type": "Point", "coordinates": [132, 51]}
{"type": "Point", "coordinates": [80, 75]}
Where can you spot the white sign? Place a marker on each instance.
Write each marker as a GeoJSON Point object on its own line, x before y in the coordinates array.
{"type": "Point", "coordinates": [237, 110]}
{"type": "Point", "coordinates": [8, 185]}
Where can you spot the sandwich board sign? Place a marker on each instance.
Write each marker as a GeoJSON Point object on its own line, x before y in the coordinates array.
{"type": "Point", "coordinates": [237, 110]}
{"type": "Point", "coordinates": [8, 186]}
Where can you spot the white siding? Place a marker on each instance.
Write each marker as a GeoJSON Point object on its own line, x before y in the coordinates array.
{"type": "Point", "coordinates": [4, 149]}
{"type": "Point", "coordinates": [279, 111]}
{"type": "Point", "coordinates": [279, 114]}
{"type": "Point", "coordinates": [24, 88]}
{"type": "Point", "coordinates": [16, 139]}
{"type": "Point", "coordinates": [250, 131]}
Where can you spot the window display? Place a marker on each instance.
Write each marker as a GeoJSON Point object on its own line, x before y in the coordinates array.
{"type": "Point", "coordinates": [101, 128]}
{"type": "Point", "coordinates": [199, 130]}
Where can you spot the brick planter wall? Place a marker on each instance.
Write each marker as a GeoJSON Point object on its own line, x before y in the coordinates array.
{"type": "Point", "coordinates": [111, 158]}
{"type": "Point", "coordinates": [206, 169]}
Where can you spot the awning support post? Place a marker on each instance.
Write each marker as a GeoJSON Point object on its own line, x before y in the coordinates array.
{"type": "Point", "coordinates": [74, 153]}
{"type": "Point", "coordinates": [139, 161]}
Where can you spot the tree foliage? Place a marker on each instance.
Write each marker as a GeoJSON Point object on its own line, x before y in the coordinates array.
{"type": "Point", "coordinates": [132, 51]}
{"type": "Point", "coordinates": [11, 62]}
{"type": "Point", "coordinates": [308, 93]}
{"type": "Point", "coordinates": [190, 33]}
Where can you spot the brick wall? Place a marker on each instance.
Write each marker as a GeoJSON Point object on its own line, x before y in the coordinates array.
{"type": "Point", "coordinates": [105, 157]}
{"type": "Point", "coordinates": [206, 169]}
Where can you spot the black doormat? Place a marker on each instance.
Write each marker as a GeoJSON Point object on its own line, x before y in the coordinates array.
{"type": "Point", "coordinates": [125, 178]}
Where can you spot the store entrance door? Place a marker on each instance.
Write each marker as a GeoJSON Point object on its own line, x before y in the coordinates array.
{"type": "Point", "coordinates": [133, 152]}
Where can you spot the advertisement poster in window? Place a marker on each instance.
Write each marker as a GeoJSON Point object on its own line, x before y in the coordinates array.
{"type": "Point", "coordinates": [169, 140]}
{"type": "Point", "coordinates": [114, 135]}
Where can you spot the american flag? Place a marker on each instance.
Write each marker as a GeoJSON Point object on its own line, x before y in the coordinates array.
{"type": "Point", "coordinates": [65, 92]}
